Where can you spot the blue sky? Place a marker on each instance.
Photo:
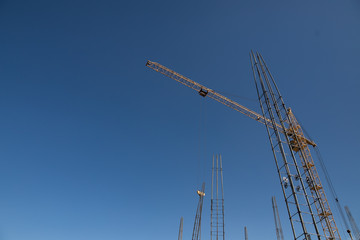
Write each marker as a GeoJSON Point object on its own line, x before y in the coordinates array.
{"type": "Point", "coordinates": [94, 145]}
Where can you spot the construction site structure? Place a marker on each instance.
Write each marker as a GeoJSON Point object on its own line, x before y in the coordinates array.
{"type": "Point", "coordinates": [181, 229]}
{"type": "Point", "coordinates": [196, 235]}
{"type": "Point", "coordinates": [217, 224]}
{"type": "Point", "coordinates": [246, 233]}
{"type": "Point", "coordinates": [354, 227]}
{"type": "Point", "coordinates": [278, 228]}
{"type": "Point", "coordinates": [307, 206]}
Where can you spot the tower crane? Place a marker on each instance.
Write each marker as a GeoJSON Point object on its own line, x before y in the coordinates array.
{"type": "Point", "coordinates": [307, 206]}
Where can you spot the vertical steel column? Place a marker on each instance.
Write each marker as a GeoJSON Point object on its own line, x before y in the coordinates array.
{"type": "Point", "coordinates": [222, 199]}
{"type": "Point", "coordinates": [212, 217]}
{"type": "Point", "coordinates": [181, 229]}
{"type": "Point", "coordinates": [217, 226]}
{"type": "Point", "coordinates": [217, 198]}
{"type": "Point", "coordinates": [279, 231]}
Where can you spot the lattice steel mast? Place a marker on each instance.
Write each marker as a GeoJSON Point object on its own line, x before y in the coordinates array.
{"type": "Point", "coordinates": [354, 227]}
{"type": "Point", "coordinates": [217, 225]}
{"type": "Point", "coordinates": [246, 233]}
{"type": "Point", "coordinates": [197, 223]}
{"type": "Point", "coordinates": [279, 231]}
{"type": "Point", "coordinates": [181, 229]}
{"type": "Point", "coordinates": [300, 182]}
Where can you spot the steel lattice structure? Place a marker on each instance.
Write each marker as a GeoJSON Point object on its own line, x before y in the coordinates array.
{"type": "Point", "coordinates": [308, 208]}
{"type": "Point", "coordinates": [217, 223]}
{"type": "Point", "coordinates": [279, 231]}
{"type": "Point", "coordinates": [207, 92]}
{"type": "Point", "coordinates": [305, 199]}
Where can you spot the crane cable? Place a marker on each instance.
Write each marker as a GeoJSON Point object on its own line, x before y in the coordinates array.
{"type": "Point", "coordinates": [329, 182]}
{"type": "Point", "coordinates": [201, 159]}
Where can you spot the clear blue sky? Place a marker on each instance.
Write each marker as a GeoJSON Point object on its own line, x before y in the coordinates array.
{"type": "Point", "coordinates": [94, 145]}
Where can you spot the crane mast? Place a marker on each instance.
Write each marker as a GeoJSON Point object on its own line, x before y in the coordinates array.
{"type": "Point", "coordinates": [307, 206]}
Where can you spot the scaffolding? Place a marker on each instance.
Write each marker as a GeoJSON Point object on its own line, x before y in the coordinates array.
{"type": "Point", "coordinates": [217, 226]}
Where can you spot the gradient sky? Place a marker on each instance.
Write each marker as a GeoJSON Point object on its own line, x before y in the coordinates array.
{"type": "Point", "coordinates": [94, 145]}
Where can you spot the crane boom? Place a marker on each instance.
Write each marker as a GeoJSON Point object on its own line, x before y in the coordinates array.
{"type": "Point", "coordinates": [205, 91]}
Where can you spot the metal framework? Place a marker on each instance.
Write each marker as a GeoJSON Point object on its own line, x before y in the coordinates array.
{"type": "Point", "coordinates": [181, 229]}
{"type": "Point", "coordinates": [246, 233]}
{"type": "Point", "coordinates": [279, 231]}
{"type": "Point", "coordinates": [197, 223]}
{"type": "Point", "coordinates": [307, 205]}
{"type": "Point", "coordinates": [353, 223]}
{"type": "Point", "coordinates": [306, 202]}
{"type": "Point", "coordinates": [217, 224]}
{"type": "Point", "coordinates": [207, 92]}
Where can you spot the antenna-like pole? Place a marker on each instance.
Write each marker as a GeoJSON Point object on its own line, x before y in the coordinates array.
{"type": "Point", "coordinates": [279, 231]}
{"type": "Point", "coordinates": [181, 229]}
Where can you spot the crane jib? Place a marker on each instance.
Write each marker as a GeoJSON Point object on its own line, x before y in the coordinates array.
{"type": "Point", "coordinates": [205, 91]}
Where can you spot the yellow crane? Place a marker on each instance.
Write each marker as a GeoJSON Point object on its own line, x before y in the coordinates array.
{"type": "Point", "coordinates": [307, 206]}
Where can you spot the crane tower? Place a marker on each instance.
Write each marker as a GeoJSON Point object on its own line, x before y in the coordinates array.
{"type": "Point", "coordinates": [307, 206]}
